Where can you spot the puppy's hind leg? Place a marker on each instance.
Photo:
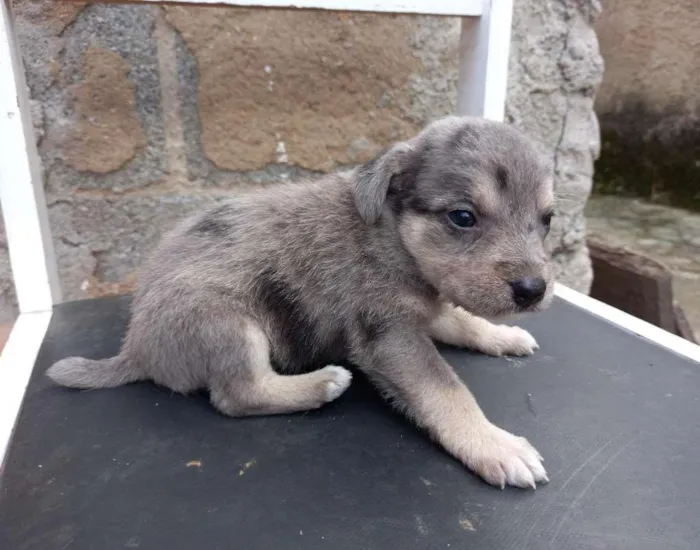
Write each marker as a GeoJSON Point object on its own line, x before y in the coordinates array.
{"type": "Point", "coordinates": [243, 383]}
{"type": "Point", "coordinates": [457, 327]}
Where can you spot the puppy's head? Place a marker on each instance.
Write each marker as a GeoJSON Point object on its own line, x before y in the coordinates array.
{"type": "Point", "coordinates": [473, 201]}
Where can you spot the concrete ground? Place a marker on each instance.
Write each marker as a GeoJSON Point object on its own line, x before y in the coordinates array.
{"type": "Point", "coordinates": [668, 235]}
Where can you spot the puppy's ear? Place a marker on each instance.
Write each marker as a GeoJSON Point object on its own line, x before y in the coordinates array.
{"type": "Point", "coordinates": [374, 178]}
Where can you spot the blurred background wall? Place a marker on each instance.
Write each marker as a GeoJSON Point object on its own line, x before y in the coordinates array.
{"type": "Point", "coordinates": [649, 99]}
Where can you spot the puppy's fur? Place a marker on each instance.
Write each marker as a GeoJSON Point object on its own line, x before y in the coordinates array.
{"type": "Point", "coordinates": [258, 298]}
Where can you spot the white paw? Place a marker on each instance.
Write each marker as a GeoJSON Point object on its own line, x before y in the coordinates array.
{"type": "Point", "coordinates": [502, 458]}
{"type": "Point", "coordinates": [507, 340]}
{"type": "Point", "coordinates": [338, 380]}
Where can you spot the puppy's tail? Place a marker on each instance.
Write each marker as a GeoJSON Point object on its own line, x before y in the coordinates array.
{"type": "Point", "coordinates": [78, 372]}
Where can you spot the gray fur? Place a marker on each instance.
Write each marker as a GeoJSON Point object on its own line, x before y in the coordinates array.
{"type": "Point", "coordinates": [253, 297]}
{"type": "Point", "coordinates": [372, 181]}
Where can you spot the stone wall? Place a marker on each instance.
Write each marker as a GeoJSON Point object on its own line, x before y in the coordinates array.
{"type": "Point", "coordinates": [649, 101]}
{"type": "Point", "coordinates": [144, 113]}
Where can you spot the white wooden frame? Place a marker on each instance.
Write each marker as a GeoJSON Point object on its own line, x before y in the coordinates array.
{"type": "Point", "coordinates": [484, 52]}
{"type": "Point", "coordinates": [463, 8]}
{"type": "Point", "coordinates": [26, 226]}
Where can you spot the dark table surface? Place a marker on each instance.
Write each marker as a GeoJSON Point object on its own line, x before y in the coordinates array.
{"type": "Point", "coordinates": [616, 418]}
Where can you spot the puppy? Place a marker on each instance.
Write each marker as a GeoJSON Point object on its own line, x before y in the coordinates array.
{"type": "Point", "coordinates": [259, 298]}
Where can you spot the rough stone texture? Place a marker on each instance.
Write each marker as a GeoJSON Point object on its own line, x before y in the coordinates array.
{"type": "Point", "coordinates": [43, 24]}
{"type": "Point", "coordinates": [106, 133]}
{"type": "Point", "coordinates": [555, 70]}
{"type": "Point", "coordinates": [251, 112]}
{"type": "Point", "coordinates": [108, 239]}
{"type": "Point", "coordinates": [144, 114]}
{"type": "Point", "coordinates": [8, 304]}
{"type": "Point", "coordinates": [102, 99]}
{"type": "Point", "coordinates": [256, 97]}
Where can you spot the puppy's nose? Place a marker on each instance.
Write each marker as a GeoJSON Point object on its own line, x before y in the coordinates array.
{"type": "Point", "coordinates": [528, 291]}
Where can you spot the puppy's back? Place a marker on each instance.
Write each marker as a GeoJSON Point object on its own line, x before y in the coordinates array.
{"type": "Point", "coordinates": [285, 227]}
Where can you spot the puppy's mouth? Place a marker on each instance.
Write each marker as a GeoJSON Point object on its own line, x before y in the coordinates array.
{"type": "Point", "coordinates": [530, 309]}
{"type": "Point", "coordinates": [506, 299]}
{"type": "Point", "coordinates": [508, 310]}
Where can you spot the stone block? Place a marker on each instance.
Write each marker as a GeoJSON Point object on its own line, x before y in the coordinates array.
{"type": "Point", "coordinates": [303, 88]}
{"type": "Point", "coordinates": [105, 240]}
{"type": "Point", "coordinates": [106, 132]}
{"type": "Point", "coordinates": [95, 71]}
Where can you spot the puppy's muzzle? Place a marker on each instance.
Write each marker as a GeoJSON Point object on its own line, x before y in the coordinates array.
{"type": "Point", "coordinates": [528, 291]}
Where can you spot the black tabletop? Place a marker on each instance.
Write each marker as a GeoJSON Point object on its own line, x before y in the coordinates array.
{"type": "Point", "coordinates": [616, 418]}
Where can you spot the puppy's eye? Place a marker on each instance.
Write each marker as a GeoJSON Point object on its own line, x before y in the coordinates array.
{"type": "Point", "coordinates": [547, 220]}
{"type": "Point", "coordinates": [462, 218]}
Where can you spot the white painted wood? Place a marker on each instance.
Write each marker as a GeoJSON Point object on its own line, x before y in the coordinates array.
{"type": "Point", "coordinates": [16, 365]}
{"type": "Point", "coordinates": [426, 7]}
{"type": "Point", "coordinates": [484, 51]}
{"type": "Point", "coordinates": [21, 189]}
{"type": "Point", "coordinates": [628, 322]}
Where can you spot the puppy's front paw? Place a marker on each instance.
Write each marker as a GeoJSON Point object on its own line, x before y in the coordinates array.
{"type": "Point", "coordinates": [502, 458]}
{"type": "Point", "coordinates": [505, 340]}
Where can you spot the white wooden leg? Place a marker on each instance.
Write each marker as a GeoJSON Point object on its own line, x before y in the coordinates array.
{"type": "Point", "coordinates": [484, 50]}
{"type": "Point", "coordinates": [16, 366]}
{"type": "Point", "coordinates": [21, 189]}
{"type": "Point", "coordinates": [628, 322]}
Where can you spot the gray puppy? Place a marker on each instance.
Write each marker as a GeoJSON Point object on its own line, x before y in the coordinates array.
{"type": "Point", "coordinates": [260, 297]}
